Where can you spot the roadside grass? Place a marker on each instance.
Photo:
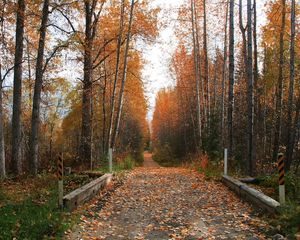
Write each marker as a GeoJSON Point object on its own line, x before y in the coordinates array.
{"type": "Point", "coordinates": [29, 207]}
{"type": "Point", "coordinates": [287, 222]}
{"type": "Point", "coordinates": [120, 165]}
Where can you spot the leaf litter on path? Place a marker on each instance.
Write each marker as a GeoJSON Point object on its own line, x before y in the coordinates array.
{"type": "Point", "coordinates": [169, 203]}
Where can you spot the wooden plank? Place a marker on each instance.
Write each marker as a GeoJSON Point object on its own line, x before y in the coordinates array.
{"type": "Point", "coordinates": [86, 192]}
{"type": "Point", "coordinates": [252, 195]}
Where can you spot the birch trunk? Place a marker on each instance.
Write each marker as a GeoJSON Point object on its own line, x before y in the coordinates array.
{"type": "Point", "coordinates": [290, 131]}
{"type": "Point", "coordinates": [231, 79]}
{"type": "Point", "coordinates": [119, 44]}
{"type": "Point", "coordinates": [279, 92]}
{"type": "Point", "coordinates": [224, 77]}
{"type": "Point", "coordinates": [123, 82]}
{"type": "Point", "coordinates": [251, 163]}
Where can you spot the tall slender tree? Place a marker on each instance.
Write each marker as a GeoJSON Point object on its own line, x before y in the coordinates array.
{"type": "Point", "coordinates": [231, 79]}
{"type": "Point", "coordinates": [92, 14]}
{"type": "Point", "coordinates": [251, 164]}
{"type": "Point", "coordinates": [196, 67]}
{"type": "Point", "coordinates": [124, 77]}
{"type": "Point", "coordinates": [224, 68]}
{"type": "Point", "coordinates": [2, 146]}
{"type": "Point", "coordinates": [17, 91]}
{"type": "Point", "coordinates": [113, 95]}
{"type": "Point", "coordinates": [279, 88]}
{"type": "Point", "coordinates": [291, 129]}
{"type": "Point", "coordinates": [35, 120]}
{"type": "Point", "coordinates": [206, 77]}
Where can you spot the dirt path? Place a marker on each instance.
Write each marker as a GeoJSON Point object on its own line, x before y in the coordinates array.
{"type": "Point", "coordinates": [148, 161]}
{"type": "Point", "coordinates": [169, 203]}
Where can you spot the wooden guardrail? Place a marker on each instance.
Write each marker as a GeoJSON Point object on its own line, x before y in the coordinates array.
{"type": "Point", "coordinates": [86, 192]}
{"type": "Point", "coordinates": [252, 195]}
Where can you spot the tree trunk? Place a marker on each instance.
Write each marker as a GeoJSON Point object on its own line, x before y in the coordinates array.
{"type": "Point", "coordinates": [231, 80]}
{"type": "Point", "coordinates": [279, 89]}
{"type": "Point", "coordinates": [224, 77]}
{"type": "Point", "coordinates": [256, 92]}
{"type": "Point", "coordinates": [123, 82]}
{"type": "Point", "coordinates": [196, 66]}
{"type": "Point", "coordinates": [35, 120]}
{"type": "Point", "coordinates": [244, 39]}
{"type": "Point", "coordinates": [86, 135]}
{"type": "Point", "coordinates": [201, 88]}
{"type": "Point", "coordinates": [206, 78]}
{"type": "Point", "coordinates": [251, 163]}
{"type": "Point", "coordinates": [2, 146]}
{"type": "Point", "coordinates": [17, 91]}
{"type": "Point", "coordinates": [290, 140]}
{"type": "Point", "coordinates": [112, 111]}
{"type": "Point", "coordinates": [104, 110]}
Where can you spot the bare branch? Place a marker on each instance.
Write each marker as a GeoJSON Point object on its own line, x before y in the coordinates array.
{"type": "Point", "coordinates": [53, 54]}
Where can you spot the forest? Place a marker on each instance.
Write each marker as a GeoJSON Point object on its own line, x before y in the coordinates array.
{"type": "Point", "coordinates": [241, 94]}
{"type": "Point", "coordinates": [72, 86]}
{"type": "Point", "coordinates": [86, 153]}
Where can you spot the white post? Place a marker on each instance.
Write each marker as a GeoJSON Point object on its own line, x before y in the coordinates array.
{"type": "Point", "coordinates": [282, 194]}
{"type": "Point", "coordinates": [225, 161]}
{"type": "Point", "coordinates": [60, 193]}
{"type": "Point", "coordinates": [110, 153]}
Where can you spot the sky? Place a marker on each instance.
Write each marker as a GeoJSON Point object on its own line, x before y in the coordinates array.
{"type": "Point", "coordinates": [156, 73]}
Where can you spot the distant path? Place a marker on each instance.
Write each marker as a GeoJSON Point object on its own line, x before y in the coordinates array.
{"type": "Point", "coordinates": [148, 161]}
{"type": "Point", "coordinates": [169, 203]}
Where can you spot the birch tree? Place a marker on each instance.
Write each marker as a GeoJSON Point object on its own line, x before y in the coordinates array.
{"type": "Point", "coordinates": [196, 67]}
{"type": "Point", "coordinates": [279, 87]}
{"type": "Point", "coordinates": [123, 79]}
{"type": "Point", "coordinates": [231, 78]}
{"type": "Point", "coordinates": [251, 163]}
{"type": "Point", "coordinates": [291, 128]}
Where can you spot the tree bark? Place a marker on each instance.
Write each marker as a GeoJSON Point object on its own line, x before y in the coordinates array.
{"type": "Point", "coordinates": [231, 80]}
{"type": "Point", "coordinates": [244, 39]}
{"type": "Point", "coordinates": [2, 146]}
{"type": "Point", "coordinates": [224, 76]}
{"type": "Point", "coordinates": [196, 67]}
{"type": "Point", "coordinates": [251, 163]}
{"type": "Point", "coordinates": [104, 110]}
{"type": "Point", "coordinates": [290, 131]}
{"type": "Point", "coordinates": [123, 82]}
{"type": "Point", "coordinates": [206, 77]}
{"type": "Point", "coordinates": [35, 120]}
{"type": "Point", "coordinates": [86, 134]}
{"type": "Point", "coordinates": [119, 44]}
{"type": "Point", "coordinates": [279, 89]}
{"type": "Point", "coordinates": [17, 91]}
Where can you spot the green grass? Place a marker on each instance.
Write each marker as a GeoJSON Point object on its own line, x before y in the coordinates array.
{"type": "Point", "coordinates": [287, 221]}
{"type": "Point", "coordinates": [32, 219]}
{"type": "Point", "coordinates": [127, 164]}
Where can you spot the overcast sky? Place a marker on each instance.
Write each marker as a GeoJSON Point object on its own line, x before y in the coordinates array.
{"type": "Point", "coordinates": [156, 74]}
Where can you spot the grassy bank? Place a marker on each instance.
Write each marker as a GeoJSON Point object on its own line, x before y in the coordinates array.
{"type": "Point", "coordinates": [29, 209]}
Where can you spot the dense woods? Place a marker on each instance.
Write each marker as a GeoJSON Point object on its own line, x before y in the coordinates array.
{"type": "Point", "coordinates": [71, 82]}
{"type": "Point", "coordinates": [239, 93]}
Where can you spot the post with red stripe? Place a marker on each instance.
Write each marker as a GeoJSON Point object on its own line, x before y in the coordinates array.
{"type": "Point", "coordinates": [280, 164]}
{"type": "Point", "coordinates": [60, 174]}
